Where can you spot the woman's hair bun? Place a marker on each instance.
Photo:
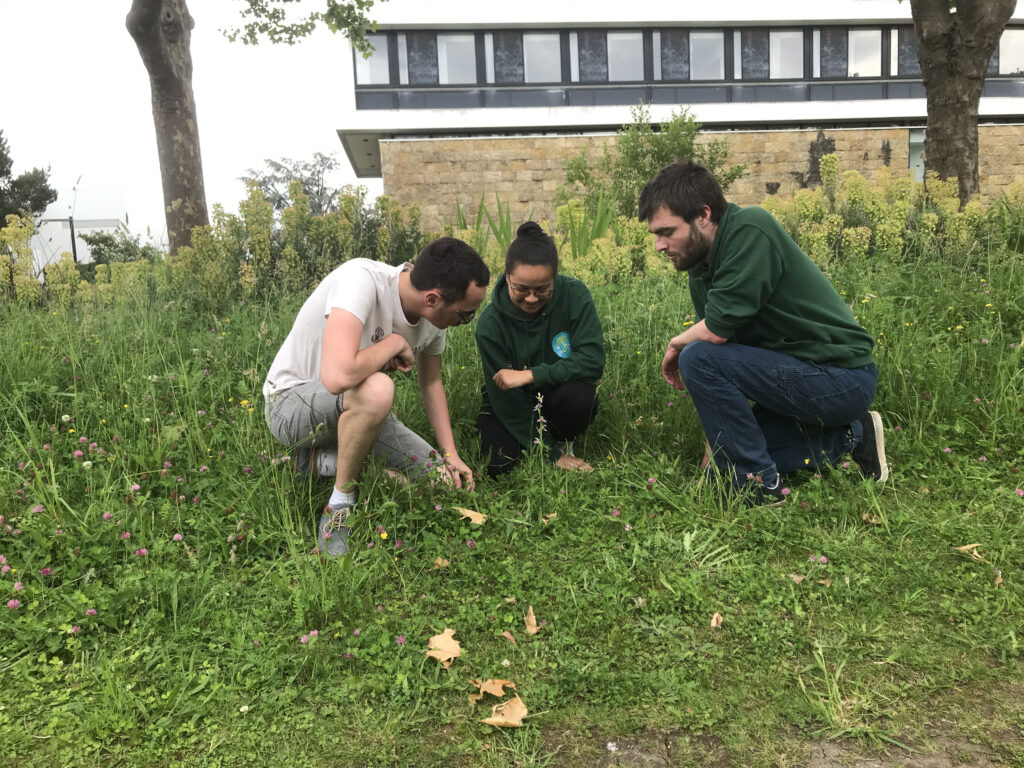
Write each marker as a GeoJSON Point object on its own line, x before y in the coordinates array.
{"type": "Point", "coordinates": [529, 229]}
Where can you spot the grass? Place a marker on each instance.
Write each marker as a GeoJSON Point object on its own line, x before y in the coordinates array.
{"type": "Point", "coordinates": [194, 653]}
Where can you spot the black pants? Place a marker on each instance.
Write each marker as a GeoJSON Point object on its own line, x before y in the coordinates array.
{"type": "Point", "coordinates": [568, 409]}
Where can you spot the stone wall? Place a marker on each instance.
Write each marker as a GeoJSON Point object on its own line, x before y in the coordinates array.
{"type": "Point", "coordinates": [525, 171]}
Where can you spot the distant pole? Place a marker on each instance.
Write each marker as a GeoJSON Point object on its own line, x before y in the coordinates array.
{"type": "Point", "coordinates": [74, 248]}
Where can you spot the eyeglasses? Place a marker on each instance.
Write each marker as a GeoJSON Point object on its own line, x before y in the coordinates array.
{"type": "Point", "coordinates": [524, 290]}
{"type": "Point", "coordinates": [465, 315]}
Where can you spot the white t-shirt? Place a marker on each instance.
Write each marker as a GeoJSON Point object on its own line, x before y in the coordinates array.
{"type": "Point", "coordinates": [369, 290]}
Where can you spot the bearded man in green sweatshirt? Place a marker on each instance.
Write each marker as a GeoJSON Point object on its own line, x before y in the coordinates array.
{"type": "Point", "coordinates": [772, 331]}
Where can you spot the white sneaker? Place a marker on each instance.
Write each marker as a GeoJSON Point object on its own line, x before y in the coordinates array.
{"type": "Point", "coordinates": [326, 461]}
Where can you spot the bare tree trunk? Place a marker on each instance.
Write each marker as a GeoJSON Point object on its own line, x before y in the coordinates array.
{"type": "Point", "coordinates": [162, 30]}
{"type": "Point", "coordinates": [954, 46]}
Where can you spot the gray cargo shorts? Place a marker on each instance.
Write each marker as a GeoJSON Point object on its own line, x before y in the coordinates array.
{"type": "Point", "coordinates": [306, 417]}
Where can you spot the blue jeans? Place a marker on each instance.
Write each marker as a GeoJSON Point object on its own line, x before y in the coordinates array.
{"type": "Point", "coordinates": [804, 415]}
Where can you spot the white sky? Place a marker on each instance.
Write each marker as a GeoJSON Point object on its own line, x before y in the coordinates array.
{"type": "Point", "coordinates": [77, 99]}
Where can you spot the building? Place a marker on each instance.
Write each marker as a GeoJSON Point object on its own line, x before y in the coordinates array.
{"type": "Point", "coordinates": [463, 99]}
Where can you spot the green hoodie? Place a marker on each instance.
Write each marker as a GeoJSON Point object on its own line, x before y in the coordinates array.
{"type": "Point", "coordinates": [561, 343]}
{"type": "Point", "coordinates": [759, 289]}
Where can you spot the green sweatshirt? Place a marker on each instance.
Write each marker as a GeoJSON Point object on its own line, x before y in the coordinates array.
{"type": "Point", "coordinates": [563, 342]}
{"type": "Point", "coordinates": [759, 289]}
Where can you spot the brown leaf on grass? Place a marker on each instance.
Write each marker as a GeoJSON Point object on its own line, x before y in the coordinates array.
{"type": "Point", "coordinates": [867, 517]}
{"type": "Point", "coordinates": [825, 582]}
{"type": "Point", "coordinates": [924, 490]}
{"type": "Point", "coordinates": [492, 686]}
{"type": "Point", "coordinates": [548, 518]}
{"type": "Point", "coordinates": [444, 647]}
{"type": "Point", "coordinates": [472, 515]}
{"type": "Point", "coordinates": [508, 636]}
{"type": "Point", "coordinates": [997, 581]}
{"type": "Point", "coordinates": [716, 620]}
{"type": "Point", "coordinates": [510, 600]}
{"type": "Point", "coordinates": [971, 550]}
{"type": "Point", "coordinates": [797, 577]}
{"type": "Point", "coordinates": [440, 563]}
{"type": "Point", "coordinates": [531, 622]}
{"type": "Point", "coordinates": [508, 714]}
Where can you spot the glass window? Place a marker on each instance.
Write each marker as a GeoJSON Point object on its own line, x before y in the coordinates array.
{"type": "Point", "coordinates": [737, 56]}
{"type": "Point", "coordinates": [374, 70]}
{"type": "Point", "coordinates": [707, 56]}
{"type": "Point", "coordinates": [456, 59]}
{"type": "Point", "coordinates": [830, 47]}
{"type": "Point", "coordinates": [674, 59]}
{"type": "Point", "coordinates": [786, 54]}
{"type": "Point", "coordinates": [750, 54]}
{"type": "Point", "coordinates": [625, 56]}
{"type": "Point", "coordinates": [1011, 52]}
{"type": "Point", "coordinates": [865, 53]}
{"type": "Point", "coordinates": [542, 57]}
{"type": "Point", "coordinates": [403, 59]}
{"type": "Point", "coordinates": [506, 60]}
{"type": "Point", "coordinates": [592, 56]}
{"type": "Point", "coordinates": [421, 54]}
{"type": "Point", "coordinates": [656, 48]}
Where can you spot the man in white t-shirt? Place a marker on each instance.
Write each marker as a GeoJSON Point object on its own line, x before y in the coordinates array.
{"type": "Point", "coordinates": [364, 320]}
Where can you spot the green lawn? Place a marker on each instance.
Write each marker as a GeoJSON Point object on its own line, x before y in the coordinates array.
{"type": "Point", "coordinates": [848, 612]}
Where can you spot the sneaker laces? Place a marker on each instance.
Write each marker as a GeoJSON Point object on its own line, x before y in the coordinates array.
{"type": "Point", "coordinates": [336, 518]}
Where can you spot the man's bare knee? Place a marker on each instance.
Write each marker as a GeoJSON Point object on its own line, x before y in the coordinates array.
{"type": "Point", "coordinates": [373, 397]}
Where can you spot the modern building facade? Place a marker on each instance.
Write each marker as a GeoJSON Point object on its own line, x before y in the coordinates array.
{"type": "Point", "coordinates": [461, 99]}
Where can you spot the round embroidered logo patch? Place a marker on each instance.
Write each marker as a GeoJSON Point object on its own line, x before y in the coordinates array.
{"type": "Point", "coordinates": [561, 345]}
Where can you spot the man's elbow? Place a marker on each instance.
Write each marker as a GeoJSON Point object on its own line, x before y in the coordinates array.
{"type": "Point", "coordinates": [335, 382]}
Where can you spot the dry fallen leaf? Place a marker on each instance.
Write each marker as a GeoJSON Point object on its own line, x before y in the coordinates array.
{"type": "Point", "coordinates": [440, 563]}
{"type": "Point", "coordinates": [508, 714]}
{"type": "Point", "coordinates": [472, 515]}
{"type": "Point", "coordinates": [971, 551]}
{"type": "Point", "coordinates": [797, 577]}
{"type": "Point", "coordinates": [508, 636]}
{"type": "Point", "coordinates": [716, 620]}
{"type": "Point", "coordinates": [867, 517]}
{"type": "Point", "coordinates": [548, 518]}
{"type": "Point", "coordinates": [444, 647]}
{"type": "Point", "coordinates": [492, 686]}
{"type": "Point", "coordinates": [531, 622]}
{"type": "Point", "coordinates": [510, 601]}
{"type": "Point", "coordinates": [825, 582]}
{"type": "Point", "coordinates": [997, 581]}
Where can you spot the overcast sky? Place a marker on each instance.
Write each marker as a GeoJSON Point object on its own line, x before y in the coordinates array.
{"type": "Point", "coordinates": [77, 99]}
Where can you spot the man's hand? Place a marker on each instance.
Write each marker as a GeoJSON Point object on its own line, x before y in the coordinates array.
{"type": "Point", "coordinates": [459, 474]}
{"type": "Point", "coordinates": [397, 363]}
{"type": "Point", "coordinates": [670, 366]}
{"type": "Point", "coordinates": [507, 379]}
{"type": "Point", "coordinates": [565, 461]}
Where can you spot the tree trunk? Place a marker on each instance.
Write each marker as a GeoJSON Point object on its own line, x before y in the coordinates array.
{"type": "Point", "coordinates": [954, 46]}
{"type": "Point", "coordinates": [162, 30]}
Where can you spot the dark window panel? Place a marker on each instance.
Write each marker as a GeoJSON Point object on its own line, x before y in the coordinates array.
{"type": "Point", "coordinates": [834, 43]}
{"type": "Point", "coordinates": [422, 47]}
{"type": "Point", "coordinates": [753, 54]}
{"type": "Point", "coordinates": [906, 53]}
{"type": "Point", "coordinates": [593, 52]}
{"type": "Point", "coordinates": [508, 57]}
{"type": "Point", "coordinates": [675, 54]}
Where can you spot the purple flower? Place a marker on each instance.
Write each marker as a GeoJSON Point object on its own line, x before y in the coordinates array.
{"type": "Point", "coordinates": [14, 604]}
{"type": "Point", "coordinates": [314, 632]}
{"type": "Point", "coordinates": [126, 535]}
{"type": "Point", "coordinates": [247, 469]}
{"type": "Point", "coordinates": [785, 491]}
{"type": "Point", "coordinates": [78, 454]}
{"type": "Point", "coordinates": [982, 458]}
{"type": "Point", "coordinates": [135, 487]}
{"type": "Point", "coordinates": [470, 543]}
{"type": "Point", "coordinates": [107, 515]}
{"type": "Point", "coordinates": [400, 640]}
{"type": "Point", "coordinates": [83, 440]}
{"type": "Point", "coordinates": [90, 611]}
{"type": "Point", "coordinates": [651, 480]}
{"type": "Point", "coordinates": [38, 508]}
{"type": "Point", "coordinates": [45, 571]}
{"type": "Point", "coordinates": [176, 537]}
{"type": "Point", "coordinates": [1020, 491]}
{"type": "Point", "coordinates": [823, 560]}
{"type": "Point", "coordinates": [203, 468]}
{"type": "Point", "coordinates": [18, 586]}
{"type": "Point", "coordinates": [947, 450]}
{"type": "Point", "coordinates": [256, 642]}
{"type": "Point", "coordinates": [304, 639]}
{"type": "Point", "coordinates": [46, 446]}
{"type": "Point", "coordinates": [141, 552]}
{"type": "Point", "coordinates": [984, 341]}
{"type": "Point", "coordinates": [356, 631]}
{"type": "Point", "coordinates": [74, 630]}
{"type": "Point", "coordinates": [629, 527]}
{"type": "Point", "coordinates": [616, 513]}
{"type": "Point", "coordinates": [167, 465]}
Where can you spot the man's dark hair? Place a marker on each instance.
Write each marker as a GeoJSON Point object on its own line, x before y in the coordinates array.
{"type": "Point", "coordinates": [449, 265]}
{"type": "Point", "coordinates": [533, 247]}
{"type": "Point", "coordinates": [684, 188]}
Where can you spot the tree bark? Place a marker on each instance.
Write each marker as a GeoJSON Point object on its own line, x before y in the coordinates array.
{"type": "Point", "coordinates": [954, 46]}
{"type": "Point", "coordinates": [162, 30]}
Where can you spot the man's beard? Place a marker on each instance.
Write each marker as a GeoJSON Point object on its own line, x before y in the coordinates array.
{"type": "Point", "coordinates": [697, 249]}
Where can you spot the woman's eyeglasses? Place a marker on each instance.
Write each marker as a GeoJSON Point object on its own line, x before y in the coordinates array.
{"type": "Point", "coordinates": [524, 290]}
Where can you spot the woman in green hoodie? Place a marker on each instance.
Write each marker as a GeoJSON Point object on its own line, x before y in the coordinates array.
{"type": "Point", "coordinates": [542, 352]}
